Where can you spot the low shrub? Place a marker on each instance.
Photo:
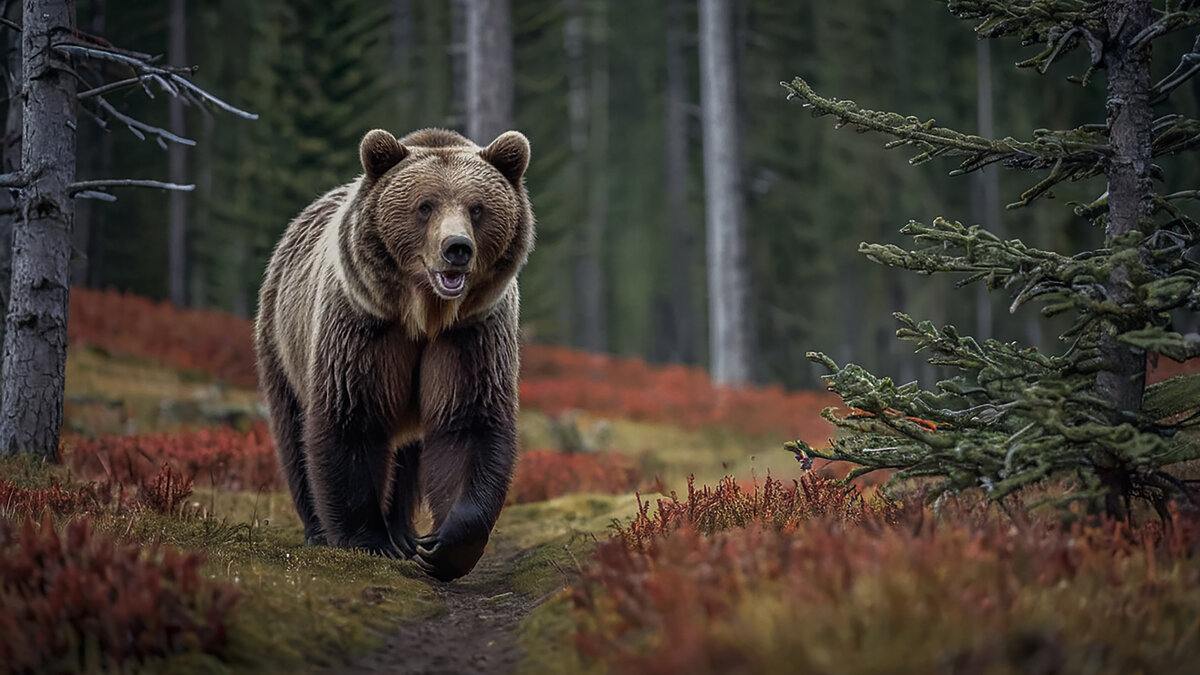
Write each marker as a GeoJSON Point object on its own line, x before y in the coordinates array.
{"type": "Point", "coordinates": [22, 501]}
{"type": "Point", "coordinates": [962, 592]}
{"type": "Point", "coordinates": [221, 457]}
{"type": "Point", "coordinates": [546, 474]}
{"type": "Point", "coordinates": [79, 603]}
{"type": "Point", "coordinates": [770, 504]}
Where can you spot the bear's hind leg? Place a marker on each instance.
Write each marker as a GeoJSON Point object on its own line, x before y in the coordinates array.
{"type": "Point", "coordinates": [405, 497]}
{"type": "Point", "coordinates": [287, 420]}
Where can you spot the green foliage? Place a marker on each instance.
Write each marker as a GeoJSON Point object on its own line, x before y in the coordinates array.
{"type": "Point", "coordinates": [1014, 417]}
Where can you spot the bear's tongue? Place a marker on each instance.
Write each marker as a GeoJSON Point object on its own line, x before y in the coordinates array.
{"type": "Point", "coordinates": [451, 281]}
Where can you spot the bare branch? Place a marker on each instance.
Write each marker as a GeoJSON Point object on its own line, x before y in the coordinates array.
{"type": "Point", "coordinates": [91, 185]}
{"type": "Point", "coordinates": [13, 180]}
{"type": "Point", "coordinates": [138, 127]}
{"type": "Point", "coordinates": [167, 77]}
{"type": "Point", "coordinates": [1189, 65]}
{"type": "Point", "coordinates": [101, 55]}
{"type": "Point", "coordinates": [93, 194]}
{"type": "Point", "coordinates": [11, 24]}
{"type": "Point", "coordinates": [213, 99]}
{"type": "Point", "coordinates": [113, 86]}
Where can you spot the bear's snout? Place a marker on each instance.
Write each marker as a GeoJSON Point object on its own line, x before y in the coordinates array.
{"type": "Point", "coordinates": [457, 251]}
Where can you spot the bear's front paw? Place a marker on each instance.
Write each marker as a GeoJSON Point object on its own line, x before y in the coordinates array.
{"type": "Point", "coordinates": [453, 550]}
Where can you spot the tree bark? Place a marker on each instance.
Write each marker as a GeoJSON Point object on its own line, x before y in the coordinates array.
{"type": "Point", "coordinates": [593, 294]}
{"type": "Point", "coordinates": [985, 195]}
{"type": "Point", "coordinates": [35, 340]}
{"type": "Point", "coordinates": [682, 314]}
{"type": "Point", "coordinates": [729, 321]}
{"type": "Point", "coordinates": [177, 161]}
{"type": "Point", "coordinates": [1123, 377]}
{"type": "Point", "coordinates": [10, 151]}
{"type": "Point", "coordinates": [489, 69]}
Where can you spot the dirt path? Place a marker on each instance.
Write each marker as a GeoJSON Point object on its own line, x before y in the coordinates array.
{"type": "Point", "coordinates": [477, 634]}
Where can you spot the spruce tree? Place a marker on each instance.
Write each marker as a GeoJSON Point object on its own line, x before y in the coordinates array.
{"type": "Point", "coordinates": [1012, 416]}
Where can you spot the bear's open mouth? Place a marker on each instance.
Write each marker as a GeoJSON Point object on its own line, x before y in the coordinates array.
{"type": "Point", "coordinates": [449, 284]}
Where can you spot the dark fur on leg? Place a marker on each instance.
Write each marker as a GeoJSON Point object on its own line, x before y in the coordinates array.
{"type": "Point", "coordinates": [348, 472]}
{"type": "Point", "coordinates": [405, 497]}
{"type": "Point", "coordinates": [287, 422]}
{"type": "Point", "coordinates": [468, 392]}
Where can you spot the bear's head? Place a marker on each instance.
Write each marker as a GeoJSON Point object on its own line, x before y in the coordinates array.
{"type": "Point", "coordinates": [451, 219]}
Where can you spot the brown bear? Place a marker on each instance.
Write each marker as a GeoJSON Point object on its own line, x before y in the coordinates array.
{"type": "Point", "coordinates": [387, 345]}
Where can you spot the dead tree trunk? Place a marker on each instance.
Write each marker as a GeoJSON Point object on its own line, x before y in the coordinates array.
{"type": "Point", "coordinates": [35, 340]}
{"type": "Point", "coordinates": [177, 161]}
{"type": "Point", "coordinates": [682, 320]}
{"type": "Point", "coordinates": [489, 69]}
{"type": "Point", "coordinates": [729, 320]}
{"type": "Point", "coordinates": [10, 152]}
{"type": "Point", "coordinates": [1122, 378]}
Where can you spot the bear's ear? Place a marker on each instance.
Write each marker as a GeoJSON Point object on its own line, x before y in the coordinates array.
{"type": "Point", "coordinates": [379, 152]}
{"type": "Point", "coordinates": [510, 154]}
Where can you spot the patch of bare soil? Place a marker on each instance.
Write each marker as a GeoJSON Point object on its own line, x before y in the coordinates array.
{"type": "Point", "coordinates": [476, 634]}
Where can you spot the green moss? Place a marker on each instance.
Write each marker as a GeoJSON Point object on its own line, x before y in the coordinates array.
{"type": "Point", "coordinates": [302, 606]}
{"type": "Point", "coordinates": [33, 472]}
{"type": "Point", "coordinates": [547, 638]}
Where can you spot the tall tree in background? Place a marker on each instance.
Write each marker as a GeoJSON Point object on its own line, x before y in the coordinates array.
{"type": "Point", "coordinates": [592, 289]}
{"type": "Point", "coordinates": [489, 91]}
{"type": "Point", "coordinates": [177, 162]}
{"type": "Point", "coordinates": [729, 319]}
{"type": "Point", "coordinates": [681, 327]}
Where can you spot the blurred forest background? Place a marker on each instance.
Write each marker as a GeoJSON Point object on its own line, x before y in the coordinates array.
{"type": "Point", "coordinates": [602, 88]}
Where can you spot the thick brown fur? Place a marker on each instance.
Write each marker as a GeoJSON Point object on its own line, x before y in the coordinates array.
{"type": "Point", "coordinates": [383, 388]}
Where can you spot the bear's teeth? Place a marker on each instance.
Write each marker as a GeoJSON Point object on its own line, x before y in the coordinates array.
{"type": "Point", "coordinates": [451, 281]}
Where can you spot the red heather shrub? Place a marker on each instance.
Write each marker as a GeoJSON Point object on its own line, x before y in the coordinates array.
{"type": "Point", "coordinates": [81, 604]}
{"type": "Point", "coordinates": [221, 457]}
{"type": "Point", "coordinates": [771, 504]}
{"type": "Point", "coordinates": [36, 501]}
{"type": "Point", "coordinates": [966, 593]}
{"type": "Point", "coordinates": [166, 492]}
{"type": "Point", "coordinates": [546, 474]}
{"type": "Point", "coordinates": [557, 379]}
{"type": "Point", "coordinates": [215, 342]}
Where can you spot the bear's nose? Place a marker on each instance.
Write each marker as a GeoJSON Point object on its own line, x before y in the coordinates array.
{"type": "Point", "coordinates": [457, 250]}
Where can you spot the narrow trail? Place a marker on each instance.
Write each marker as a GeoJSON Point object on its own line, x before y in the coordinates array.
{"type": "Point", "coordinates": [476, 634]}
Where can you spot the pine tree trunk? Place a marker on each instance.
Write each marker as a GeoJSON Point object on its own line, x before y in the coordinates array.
{"type": "Point", "coordinates": [592, 287]}
{"type": "Point", "coordinates": [177, 161]}
{"type": "Point", "coordinates": [682, 314]}
{"type": "Point", "coordinates": [400, 57]}
{"type": "Point", "coordinates": [10, 152]}
{"type": "Point", "coordinates": [1123, 377]}
{"type": "Point", "coordinates": [985, 193]}
{"type": "Point", "coordinates": [489, 78]}
{"type": "Point", "coordinates": [727, 265]}
{"type": "Point", "coordinates": [35, 340]}
{"type": "Point", "coordinates": [575, 66]}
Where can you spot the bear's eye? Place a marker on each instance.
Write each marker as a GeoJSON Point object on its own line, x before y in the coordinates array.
{"type": "Point", "coordinates": [476, 211]}
{"type": "Point", "coordinates": [425, 208]}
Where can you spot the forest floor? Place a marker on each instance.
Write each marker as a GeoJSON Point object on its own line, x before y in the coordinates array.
{"type": "Point", "coordinates": [321, 610]}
